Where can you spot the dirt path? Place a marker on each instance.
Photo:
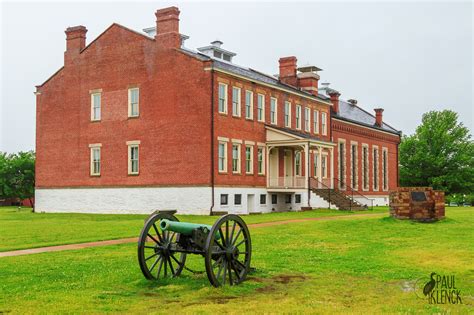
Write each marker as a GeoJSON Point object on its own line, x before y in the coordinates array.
{"type": "Point", "coordinates": [135, 239]}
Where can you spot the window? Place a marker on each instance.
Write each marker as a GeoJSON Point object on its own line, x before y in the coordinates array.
{"type": "Point", "coordinates": [249, 159]}
{"type": "Point", "coordinates": [133, 155]}
{"type": "Point", "coordinates": [365, 167]}
{"type": "Point", "coordinates": [274, 199]}
{"type": "Point", "coordinates": [316, 121]}
{"type": "Point", "coordinates": [133, 101]}
{"type": "Point", "coordinates": [324, 169]}
{"type": "Point", "coordinates": [235, 158]}
{"type": "Point", "coordinates": [224, 199]}
{"type": "Point", "coordinates": [298, 198]}
{"type": "Point", "coordinates": [236, 101]}
{"type": "Point", "coordinates": [287, 198]}
{"type": "Point", "coordinates": [324, 130]}
{"type": "Point", "coordinates": [298, 116]}
{"type": "Point", "coordinates": [260, 107]}
{"type": "Point", "coordinates": [315, 165]}
{"type": "Point", "coordinates": [307, 119]}
{"type": "Point", "coordinates": [288, 114]}
{"type": "Point", "coordinates": [273, 110]}
{"type": "Point", "coordinates": [342, 164]}
{"type": "Point", "coordinates": [260, 161]}
{"type": "Point", "coordinates": [222, 153]}
{"type": "Point", "coordinates": [298, 163]}
{"type": "Point", "coordinates": [95, 159]}
{"type": "Point", "coordinates": [375, 165]}
{"type": "Point", "coordinates": [222, 98]}
{"type": "Point", "coordinates": [354, 168]}
{"type": "Point", "coordinates": [237, 199]}
{"type": "Point", "coordinates": [384, 169]}
{"type": "Point", "coordinates": [263, 199]}
{"type": "Point", "coordinates": [249, 104]}
{"type": "Point", "coordinates": [95, 106]}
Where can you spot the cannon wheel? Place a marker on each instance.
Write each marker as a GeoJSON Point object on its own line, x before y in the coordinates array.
{"type": "Point", "coordinates": [154, 254]}
{"type": "Point", "coordinates": [228, 258]}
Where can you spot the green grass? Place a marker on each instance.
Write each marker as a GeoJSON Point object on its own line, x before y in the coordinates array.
{"type": "Point", "coordinates": [24, 229]}
{"type": "Point", "coordinates": [355, 265]}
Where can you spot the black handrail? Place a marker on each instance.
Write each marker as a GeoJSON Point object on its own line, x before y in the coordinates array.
{"type": "Point", "coordinates": [347, 192]}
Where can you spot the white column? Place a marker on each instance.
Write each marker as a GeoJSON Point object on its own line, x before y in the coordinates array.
{"type": "Point", "coordinates": [320, 170]}
{"type": "Point", "coordinates": [267, 163]}
{"type": "Point", "coordinates": [306, 168]}
{"type": "Point", "coordinates": [332, 167]}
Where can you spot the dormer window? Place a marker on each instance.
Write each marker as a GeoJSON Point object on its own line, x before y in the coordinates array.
{"type": "Point", "coordinates": [216, 51]}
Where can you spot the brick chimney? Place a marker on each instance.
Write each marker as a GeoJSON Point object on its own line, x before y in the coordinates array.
{"type": "Point", "coordinates": [167, 27]}
{"type": "Point", "coordinates": [288, 70]}
{"type": "Point", "coordinates": [308, 79]}
{"type": "Point", "coordinates": [334, 95]}
{"type": "Point", "coordinates": [75, 42]}
{"type": "Point", "coordinates": [378, 116]}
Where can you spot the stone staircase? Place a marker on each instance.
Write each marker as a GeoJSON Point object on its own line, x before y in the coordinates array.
{"type": "Point", "coordinates": [338, 199]}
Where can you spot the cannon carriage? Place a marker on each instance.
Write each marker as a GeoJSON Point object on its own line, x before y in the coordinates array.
{"type": "Point", "coordinates": [226, 247]}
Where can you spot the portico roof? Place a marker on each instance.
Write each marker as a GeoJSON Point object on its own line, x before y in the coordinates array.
{"type": "Point", "coordinates": [279, 136]}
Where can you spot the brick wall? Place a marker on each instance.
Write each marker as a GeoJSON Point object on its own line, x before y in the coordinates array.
{"type": "Point", "coordinates": [402, 205]}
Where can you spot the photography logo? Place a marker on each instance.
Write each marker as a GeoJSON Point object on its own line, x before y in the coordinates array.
{"type": "Point", "coordinates": [438, 289]}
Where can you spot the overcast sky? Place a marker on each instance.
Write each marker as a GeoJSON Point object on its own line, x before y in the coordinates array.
{"type": "Point", "coordinates": [405, 57]}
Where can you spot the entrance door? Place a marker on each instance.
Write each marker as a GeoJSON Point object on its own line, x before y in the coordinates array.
{"type": "Point", "coordinates": [288, 167]}
{"type": "Point", "coordinates": [273, 167]}
{"type": "Point", "coordinates": [251, 203]}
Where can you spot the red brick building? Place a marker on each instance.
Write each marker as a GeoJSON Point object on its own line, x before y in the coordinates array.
{"type": "Point", "coordinates": [135, 122]}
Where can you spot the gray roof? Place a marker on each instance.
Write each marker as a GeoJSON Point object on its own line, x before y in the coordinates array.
{"type": "Point", "coordinates": [249, 73]}
{"type": "Point", "coordinates": [355, 114]}
{"type": "Point", "coordinates": [347, 111]}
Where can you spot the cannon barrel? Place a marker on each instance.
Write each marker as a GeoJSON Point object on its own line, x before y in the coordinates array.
{"type": "Point", "coordinates": [184, 228]}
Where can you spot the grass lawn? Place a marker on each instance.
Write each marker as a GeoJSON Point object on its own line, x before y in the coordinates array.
{"type": "Point", "coordinates": [24, 229]}
{"type": "Point", "coordinates": [356, 265]}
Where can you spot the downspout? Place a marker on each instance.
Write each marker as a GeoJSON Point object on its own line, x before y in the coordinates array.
{"type": "Point", "coordinates": [212, 140]}
{"type": "Point", "coordinates": [309, 176]}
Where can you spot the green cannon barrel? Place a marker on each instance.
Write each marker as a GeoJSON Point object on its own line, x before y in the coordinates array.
{"type": "Point", "coordinates": [184, 228]}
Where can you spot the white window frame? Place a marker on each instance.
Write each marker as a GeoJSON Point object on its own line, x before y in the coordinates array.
{"type": "Point", "coordinates": [316, 121]}
{"type": "Point", "coordinates": [274, 113]}
{"type": "Point", "coordinates": [355, 160]}
{"type": "Point", "coordinates": [239, 158]}
{"type": "Point", "coordinates": [375, 168]}
{"type": "Point", "coordinates": [343, 180]}
{"type": "Point", "coordinates": [95, 147]}
{"type": "Point", "coordinates": [324, 165]}
{"type": "Point", "coordinates": [324, 125]}
{"type": "Point", "coordinates": [262, 109]}
{"type": "Point", "coordinates": [222, 141]}
{"type": "Point", "coordinates": [236, 108]}
{"type": "Point", "coordinates": [385, 167]}
{"type": "Point", "coordinates": [288, 114]}
{"type": "Point", "coordinates": [226, 105]}
{"type": "Point", "coordinates": [298, 169]}
{"type": "Point", "coordinates": [315, 164]}
{"type": "Point", "coordinates": [130, 105]}
{"type": "Point", "coordinates": [130, 145]}
{"type": "Point", "coordinates": [249, 106]}
{"type": "Point", "coordinates": [249, 170]}
{"type": "Point", "coordinates": [261, 171]}
{"type": "Point", "coordinates": [298, 117]}
{"type": "Point", "coordinates": [307, 119]}
{"type": "Point", "coordinates": [93, 117]}
{"type": "Point", "coordinates": [365, 166]}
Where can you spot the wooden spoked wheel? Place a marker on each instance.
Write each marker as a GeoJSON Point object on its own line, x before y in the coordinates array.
{"type": "Point", "coordinates": [228, 256]}
{"type": "Point", "coordinates": [155, 250]}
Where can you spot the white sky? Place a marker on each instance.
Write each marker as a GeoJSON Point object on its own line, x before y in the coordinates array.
{"type": "Point", "coordinates": [405, 57]}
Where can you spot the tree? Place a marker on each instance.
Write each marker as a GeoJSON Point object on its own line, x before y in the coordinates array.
{"type": "Point", "coordinates": [439, 154]}
{"type": "Point", "coordinates": [17, 175]}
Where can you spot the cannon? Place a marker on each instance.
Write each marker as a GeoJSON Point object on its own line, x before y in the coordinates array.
{"type": "Point", "coordinates": [226, 247]}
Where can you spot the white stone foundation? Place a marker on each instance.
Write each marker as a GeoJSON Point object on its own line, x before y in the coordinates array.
{"type": "Point", "coordinates": [378, 200]}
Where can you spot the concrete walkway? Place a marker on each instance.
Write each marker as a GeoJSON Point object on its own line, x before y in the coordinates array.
{"type": "Point", "coordinates": [135, 239]}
